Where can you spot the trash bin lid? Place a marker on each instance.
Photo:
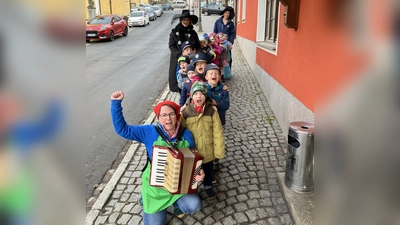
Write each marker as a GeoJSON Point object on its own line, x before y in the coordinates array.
{"type": "Point", "coordinates": [302, 127]}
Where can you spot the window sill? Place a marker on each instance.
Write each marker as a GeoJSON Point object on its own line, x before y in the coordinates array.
{"type": "Point", "coordinates": [267, 46]}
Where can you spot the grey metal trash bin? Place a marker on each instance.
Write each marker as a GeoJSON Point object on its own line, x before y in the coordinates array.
{"type": "Point", "coordinates": [299, 175]}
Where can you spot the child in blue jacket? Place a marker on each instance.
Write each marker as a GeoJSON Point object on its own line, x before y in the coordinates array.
{"type": "Point", "coordinates": [216, 90]}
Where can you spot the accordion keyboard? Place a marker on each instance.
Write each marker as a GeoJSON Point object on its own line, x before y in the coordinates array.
{"type": "Point", "coordinates": [157, 170]}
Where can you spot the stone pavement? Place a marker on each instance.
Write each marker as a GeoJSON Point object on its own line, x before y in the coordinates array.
{"type": "Point", "coordinates": [247, 188]}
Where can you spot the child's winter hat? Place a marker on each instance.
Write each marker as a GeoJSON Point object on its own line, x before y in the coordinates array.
{"type": "Point", "coordinates": [190, 67]}
{"type": "Point", "coordinates": [199, 86]}
{"type": "Point", "coordinates": [185, 45]}
{"type": "Point", "coordinates": [212, 66]}
{"type": "Point", "coordinates": [183, 59]}
{"type": "Point", "coordinates": [199, 57]}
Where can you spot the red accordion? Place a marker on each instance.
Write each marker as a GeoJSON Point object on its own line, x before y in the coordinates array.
{"type": "Point", "coordinates": [175, 169]}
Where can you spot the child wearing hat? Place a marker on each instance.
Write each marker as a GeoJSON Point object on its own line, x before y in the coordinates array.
{"type": "Point", "coordinates": [186, 48]}
{"type": "Point", "coordinates": [219, 95]}
{"type": "Point", "coordinates": [216, 91]}
{"type": "Point", "coordinates": [187, 85]}
{"type": "Point", "coordinates": [181, 74]}
{"type": "Point", "coordinates": [200, 61]}
{"type": "Point", "coordinates": [203, 121]}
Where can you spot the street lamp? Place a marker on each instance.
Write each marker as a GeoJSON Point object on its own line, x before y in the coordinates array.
{"type": "Point", "coordinates": [200, 27]}
{"type": "Point", "coordinates": [91, 9]}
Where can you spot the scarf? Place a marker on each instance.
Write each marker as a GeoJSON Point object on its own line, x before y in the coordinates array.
{"type": "Point", "coordinates": [181, 31]}
{"type": "Point", "coordinates": [175, 133]}
{"type": "Point", "coordinates": [198, 108]}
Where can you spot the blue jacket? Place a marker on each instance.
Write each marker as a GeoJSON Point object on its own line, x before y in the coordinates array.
{"type": "Point", "coordinates": [221, 96]}
{"type": "Point", "coordinates": [146, 134]}
{"type": "Point", "coordinates": [185, 93]}
{"type": "Point", "coordinates": [228, 29]}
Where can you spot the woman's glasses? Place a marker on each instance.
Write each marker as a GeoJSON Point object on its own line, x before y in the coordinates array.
{"type": "Point", "coordinates": [164, 115]}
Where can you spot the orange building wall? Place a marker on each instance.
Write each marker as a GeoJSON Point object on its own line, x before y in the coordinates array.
{"type": "Point", "coordinates": [248, 29]}
{"type": "Point", "coordinates": [293, 65]}
{"type": "Point", "coordinates": [314, 61]}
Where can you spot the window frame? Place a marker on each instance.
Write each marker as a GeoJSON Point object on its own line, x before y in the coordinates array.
{"type": "Point", "coordinates": [262, 41]}
{"type": "Point", "coordinates": [239, 10]}
{"type": "Point", "coordinates": [244, 2]}
{"type": "Point", "coordinates": [271, 32]}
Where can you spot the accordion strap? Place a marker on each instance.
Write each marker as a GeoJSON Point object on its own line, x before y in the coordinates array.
{"type": "Point", "coordinates": [172, 145]}
{"type": "Point", "coordinates": [178, 136]}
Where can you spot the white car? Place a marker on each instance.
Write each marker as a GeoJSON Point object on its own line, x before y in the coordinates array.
{"type": "Point", "coordinates": [142, 7]}
{"type": "Point", "coordinates": [157, 10]}
{"type": "Point", "coordinates": [179, 4]}
{"type": "Point", "coordinates": [138, 18]}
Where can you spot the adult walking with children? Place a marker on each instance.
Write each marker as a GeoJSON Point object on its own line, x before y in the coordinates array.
{"type": "Point", "coordinates": [225, 25]}
{"type": "Point", "coordinates": [183, 31]}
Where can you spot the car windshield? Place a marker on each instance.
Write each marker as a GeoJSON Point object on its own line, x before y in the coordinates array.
{"type": "Point", "coordinates": [154, 7]}
{"type": "Point", "coordinates": [100, 20]}
{"type": "Point", "coordinates": [149, 10]}
{"type": "Point", "coordinates": [137, 14]}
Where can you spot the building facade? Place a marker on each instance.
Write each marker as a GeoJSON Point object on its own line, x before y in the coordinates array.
{"type": "Point", "coordinates": [118, 7]}
{"type": "Point", "coordinates": [280, 57]}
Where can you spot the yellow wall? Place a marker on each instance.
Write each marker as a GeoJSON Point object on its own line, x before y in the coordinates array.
{"type": "Point", "coordinates": [119, 7]}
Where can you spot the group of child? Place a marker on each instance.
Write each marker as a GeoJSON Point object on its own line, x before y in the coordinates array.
{"type": "Point", "coordinates": [202, 95]}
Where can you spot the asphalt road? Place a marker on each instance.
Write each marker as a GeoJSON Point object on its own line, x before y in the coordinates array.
{"type": "Point", "coordinates": [136, 64]}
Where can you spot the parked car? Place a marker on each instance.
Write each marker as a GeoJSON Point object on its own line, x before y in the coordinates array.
{"type": "Point", "coordinates": [105, 27]}
{"type": "Point", "coordinates": [134, 9]}
{"type": "Point", "coordinates": [150, 12]}
{"type": "Point", "coordinates": [167, 7]}
{"type": "Point", "coordinates": [157, 10]}
{"type": "Point", "coordinates": [138, 18]}
{"type": "Point", "coordinates": [142, 7]}
{"type": "Point", "coordinates": [160, 5]}
{"type": "Point", "coordinates": [209, 9]}
{"type": "Point", "coordinates": [179, 4]}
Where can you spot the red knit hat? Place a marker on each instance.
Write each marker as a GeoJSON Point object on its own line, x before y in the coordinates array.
{"type": "Point", "coordinates": [175, 106]}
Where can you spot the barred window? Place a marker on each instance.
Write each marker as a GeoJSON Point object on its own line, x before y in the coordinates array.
{"type": "Point", "coordinates": [271, 21]}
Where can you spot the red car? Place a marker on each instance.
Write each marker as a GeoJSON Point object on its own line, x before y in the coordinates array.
{"type": "Point", "coordinates": [105, 27]}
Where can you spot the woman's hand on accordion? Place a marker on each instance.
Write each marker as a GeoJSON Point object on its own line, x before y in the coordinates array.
{"type": "Point", "coordinates": [200, 176]}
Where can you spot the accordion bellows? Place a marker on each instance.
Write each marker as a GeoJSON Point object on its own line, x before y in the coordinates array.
{"type": "Point", "coordinates": [175, 169]}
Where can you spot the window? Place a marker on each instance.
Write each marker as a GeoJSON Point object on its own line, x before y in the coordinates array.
{"type": "Point", "coordinates": [271, 21]}
{"type": "Point", "coordinates": [238, 10]}
{"type": "Point", "coordinates": [243, 10]}
{"type": "Point", "coordinates": [267, 25]}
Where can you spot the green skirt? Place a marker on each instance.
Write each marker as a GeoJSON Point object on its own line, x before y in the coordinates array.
{"type": "Point", "coordinates": [155, 199]}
